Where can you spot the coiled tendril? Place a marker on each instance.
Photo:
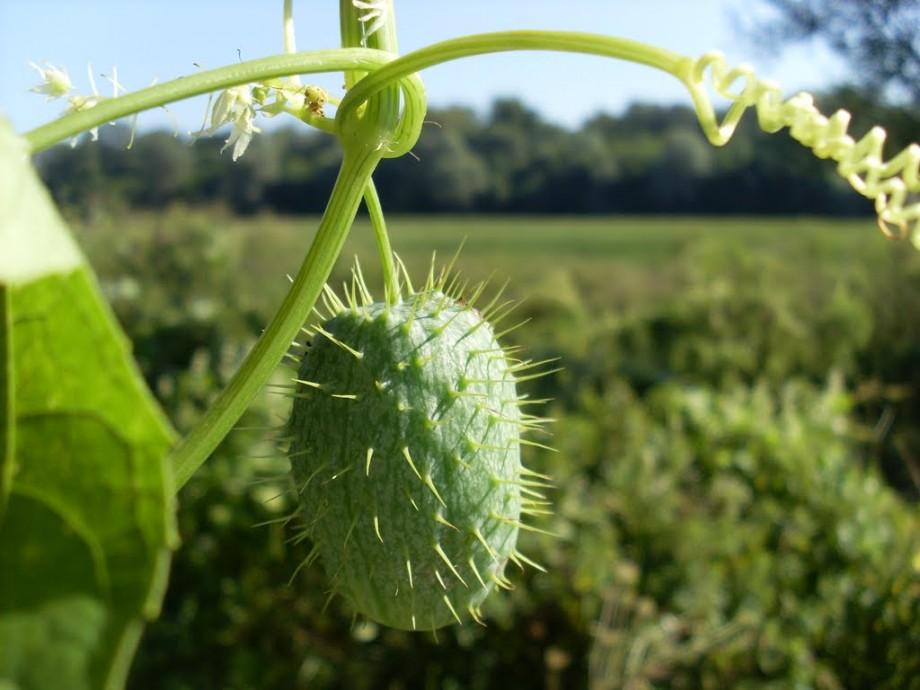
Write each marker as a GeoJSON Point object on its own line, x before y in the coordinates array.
{"type": "Point", "coordinates": [891, 184]}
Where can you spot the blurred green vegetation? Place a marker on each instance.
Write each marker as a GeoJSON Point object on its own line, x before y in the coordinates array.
{"type": "Point", "coordinates": [648, 159]}
{"type": "Point", "coordinates": [738, 465]}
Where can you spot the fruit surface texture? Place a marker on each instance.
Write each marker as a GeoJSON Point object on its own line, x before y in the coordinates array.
{"type": "Point", "coordinates": [406, 457]}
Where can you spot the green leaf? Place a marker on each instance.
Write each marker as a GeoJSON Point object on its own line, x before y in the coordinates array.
{"type": "Point", "coordinates": [86, 500]}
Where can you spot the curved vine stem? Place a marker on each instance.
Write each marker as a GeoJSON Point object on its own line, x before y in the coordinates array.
{"type": "Point", "coordinates": [365, 136]}
{"type": "Point", "coordinates": [892, 184]}
{"type": "Point", "coordinates": [307, 62]}
{"type": "Point", "coordinates": [289, 38]}
{"type": "Point", "coordinates": [505, 41]}
{"type": "Point", "coordinates": [353, 178]}
{"type": "Point", "coordinates": [353, 33]}
{"type": "Point", "coordinates": [370, 127]}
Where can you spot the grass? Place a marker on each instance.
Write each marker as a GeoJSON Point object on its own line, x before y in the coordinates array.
{"type": "Point", "coordinates": [621, 260]}
{"type": "Point", "coordinates": [610, 262]}
{"type": "Point", "coordinates": [633, 239]}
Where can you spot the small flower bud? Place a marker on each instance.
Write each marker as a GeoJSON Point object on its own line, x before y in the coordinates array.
{"type": "Point", "coordinates": [315, 99]}
{"type": "Point", "coordinates": [55, 82]}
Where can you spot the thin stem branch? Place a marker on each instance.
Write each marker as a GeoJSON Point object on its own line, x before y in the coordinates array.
{"type": "Point", "coordinates": [505, 41]}
{"type": "Point", "coordinates": [309, 62]}
{"type": "Point", "coordinates": [290, 41]}
{"type": "Point", "coordinates": [892, 184]}
{"type": "Point", "coordinates": [351, 35]}
{"type": "Point", "coordinates": [378, 223]}
{"type": "Point", "coordinates": [352, 30]}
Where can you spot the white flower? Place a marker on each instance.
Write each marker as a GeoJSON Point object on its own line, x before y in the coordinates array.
{"type": "Point", "coordinates": [236, 107]}
{"type": "Point", "coordinates": [287, 95]}
{"type": "Point", "coordinates": [240, 136]}
{"type": "Point", "coordinates": [377, 13]}
{"type": "Point", "coordinates": [55, 82]}
{"type": "Point", "coordinates": [80, 103]}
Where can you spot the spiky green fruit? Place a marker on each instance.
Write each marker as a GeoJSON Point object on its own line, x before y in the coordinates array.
{"type": "Point", "coordinates": [406, 456]}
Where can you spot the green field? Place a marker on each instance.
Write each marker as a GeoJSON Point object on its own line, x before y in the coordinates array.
{"type": "Point", "coordinates": [737, 471]}
{"type": "Point", "coordinates": [621, 261]}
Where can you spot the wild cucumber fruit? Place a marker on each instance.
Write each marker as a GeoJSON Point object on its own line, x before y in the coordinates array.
{"type": "Point", "coordinates": [406, 431]}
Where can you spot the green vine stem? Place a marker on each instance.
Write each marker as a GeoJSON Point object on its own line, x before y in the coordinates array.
{"type": "Point", "coordinates": [891, 184]}
{"type": "Point", "coordinates": [353, 34]}
{"type": "Point", "coordinates": [504, 41]}
{"type": "Point", "coordinates": [370, 127]}
{"type": "Point", "coordinates": [290, 41]}
{"type": "Point", "coordinates": [382, 239]}
{"type": "Point", "coordinates": [365, 137]}
{"type": "Point", "coordinates": [262, 69]}
{"type": "Point", "coordinates": [192, 451]}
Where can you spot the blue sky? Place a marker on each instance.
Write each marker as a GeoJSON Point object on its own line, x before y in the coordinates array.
{"type": "Point", "coordinates": [162, 40]}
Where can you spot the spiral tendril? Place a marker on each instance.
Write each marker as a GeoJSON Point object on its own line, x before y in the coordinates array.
{"type": "Point", "coordinates": [891, 184]}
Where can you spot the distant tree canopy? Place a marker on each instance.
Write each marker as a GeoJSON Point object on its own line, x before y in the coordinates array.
{"type": "Point", "coordinates": [649, 159]}
{"type": "Point", "coordinates": [878, 38]}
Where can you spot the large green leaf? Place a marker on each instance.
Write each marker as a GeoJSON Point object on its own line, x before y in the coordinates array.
{"type": "Point", "coordinates": [86, 507]}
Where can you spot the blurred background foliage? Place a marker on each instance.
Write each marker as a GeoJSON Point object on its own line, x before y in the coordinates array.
{"type": "Point", "coordinates": [737, 469]}
{"type": "Point", "coordinates": [649, 159]}
{"type": "Point", "coordinates": [738, 416]}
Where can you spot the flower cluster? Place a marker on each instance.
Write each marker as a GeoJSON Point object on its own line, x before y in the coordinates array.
{"type": "Point", "coordinates": [55, 83]}
{"type": "Point", "coordinates": [238, 106]}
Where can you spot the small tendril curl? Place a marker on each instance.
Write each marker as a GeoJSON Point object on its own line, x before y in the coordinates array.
{"type": "Point", "coordinates": [891, 184]}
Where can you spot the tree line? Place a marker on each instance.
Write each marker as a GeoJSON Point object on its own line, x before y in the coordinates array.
{"type": "Point", "coordinates": [649, 159]}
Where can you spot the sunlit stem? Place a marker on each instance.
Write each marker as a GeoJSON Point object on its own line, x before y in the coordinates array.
{"type": "Point", "coordinates": [353, 34]}
{"type": "Point", "coordinates": [260, 70]}
{"type": "Point", "coordinates": [892, 184]}
{"type": "Point", "coordinates": [194, 449]}
{"type": "Point", "coordinates": [365, 137]}
{"type": "Point", "coordinates": [382, 239]}
{"type": "Point", "coordinates": [290, 42]}
{"type": "Point", "coordinates": [506, 41]}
